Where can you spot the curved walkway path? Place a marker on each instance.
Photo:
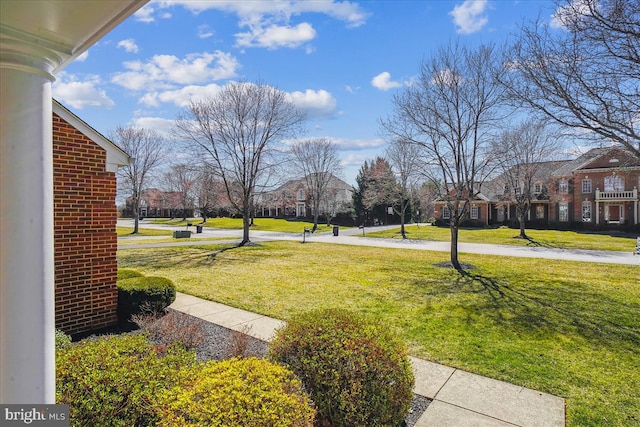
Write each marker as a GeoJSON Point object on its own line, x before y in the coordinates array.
{"type": "Point", "coordinates": [458, 398]}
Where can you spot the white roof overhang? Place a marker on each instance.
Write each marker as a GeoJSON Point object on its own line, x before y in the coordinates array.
{"type": "Point", "coordinates": [56, 30]}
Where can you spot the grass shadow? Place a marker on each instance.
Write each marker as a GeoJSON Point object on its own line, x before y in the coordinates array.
{"type": "Point", "coordinates": [597, 318]}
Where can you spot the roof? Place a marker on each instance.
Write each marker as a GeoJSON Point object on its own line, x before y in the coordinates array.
{"type": "Point", "coordinates": [573, 165]}
{"type": "Point", "coordinates": [115, 155]}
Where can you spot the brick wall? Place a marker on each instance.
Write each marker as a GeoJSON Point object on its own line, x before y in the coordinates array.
{"type": "Point", "coordinates": [84, 232]}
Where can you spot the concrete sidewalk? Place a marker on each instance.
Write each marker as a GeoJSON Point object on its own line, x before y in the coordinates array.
{"type": "Point", "coordinates": [459, 398]}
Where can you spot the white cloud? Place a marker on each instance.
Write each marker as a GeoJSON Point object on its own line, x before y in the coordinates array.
{"type": "Point", "coordinates": [128, 45]}
{"type": "Point", "coordinates": [276, 36]}
{"type": "Point", "coordinates": [166, 71]}
{"type": "Point", "coordinates": [82, 57]}
{"type": "Point", "coordinates": [355, 159]}
{"type": "Point", "coordinates": [346, 11]}
{"type": "Point", "coordinates": [268, 23]}
{"type": "Point", "coordinates": [158, 124]}
{"type": "Point", "coordinates": [204, 32]}
{"type": "Point", "coordinates": [383, 81]}
{"type": "Point", "coordinates": [564, 15]}
{"type": "Point", "coordinates": [358, 144]}
{"type": "Point", "coordinates": [180, 97]}
{"type": "Point", "coordinates": [317, 104]}
{"type": "Point", "coordinates": [446, 77]}
{"type": "Point", "coordinates": [79, 94]}
{"type": "Point", "coordinates": [145, 14]}
{"type": "Point", "coordinates": [469, 16]}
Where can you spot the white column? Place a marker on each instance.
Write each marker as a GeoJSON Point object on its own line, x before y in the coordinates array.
{"type": "Point", "coordinates": [27, 323]}
{"type": "Point", "coordinates": [635, 205]}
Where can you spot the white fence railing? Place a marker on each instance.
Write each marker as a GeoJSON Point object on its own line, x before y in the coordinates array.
{"type": "Point", "coordinates": [617, 195]}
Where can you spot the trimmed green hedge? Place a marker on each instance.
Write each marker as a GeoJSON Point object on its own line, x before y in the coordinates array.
{"type": "Point", "coordinates": [357, 374]}
{"type": "Point", "coordinates": [237, 392]}
{"type": "Point", "coordinates": [144, 295]}
{"type": "Point", "coordinates": [128, 274]}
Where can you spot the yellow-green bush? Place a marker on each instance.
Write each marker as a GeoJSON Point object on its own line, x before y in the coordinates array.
{"type": "Point", "coordinates": [357, 374]}
{"type": "Point", "coordinates": [111, 381]}
{"type": "Point", "coordinates": [237, 393]}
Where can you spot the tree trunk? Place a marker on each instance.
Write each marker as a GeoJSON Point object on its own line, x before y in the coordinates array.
{"type": "Point", "coordinates": [246, 224]}
{"type": "Point", "coordinates": [454, 247]}
{"type": "Point", "coordinates": [402, 215]}
{"type": "Point", "coordinates": [523, 234]}
{"type": "Point", "coordinates": [136, 217]}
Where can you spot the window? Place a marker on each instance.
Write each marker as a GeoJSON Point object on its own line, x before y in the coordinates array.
{"type": "Point", "coordinates": [586, 211]}
{"type": "Point", "coordinates": [537, 188]}
{"type": "Point", "coordinates": [586, 186]}
{"type": "Point", "coordinates": [301, 194]}
{"type": "Point", "coordinates": [614, 183]}
{"type": "Point", "coordinates": [563, 212]}
{"type": "Point", "coordinates": [446, 214]}
{"type": "Point", "coordinates": [475, 212]}
{"type": "Point", "coordinates": [563, 186]}
{"type": "Point", "coordinates": [539, 212]}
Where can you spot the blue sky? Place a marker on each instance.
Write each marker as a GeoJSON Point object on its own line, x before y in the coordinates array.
{"type": "Point", "coordinates": [340, 61]}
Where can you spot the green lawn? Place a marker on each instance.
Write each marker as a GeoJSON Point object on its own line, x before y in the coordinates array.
{"type": "Point", "coordinates": [566, 328]}
{"type": "Point", "coordinates": [262, 224]}
{"type": "Point", "coordinates": [126, 231]}
{"type": "Point", "coordinates": [507, 236]}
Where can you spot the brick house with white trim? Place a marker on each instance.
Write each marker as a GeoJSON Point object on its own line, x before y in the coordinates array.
{"type": "Point", "coordinates": [85, 215]}
{"type": "Point", "coordinates": [292, 200]}
{"type": "Point", "coordinates": [597, 190]}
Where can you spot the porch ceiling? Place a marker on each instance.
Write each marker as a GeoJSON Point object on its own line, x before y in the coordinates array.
{"type": "Point", "coordinates": [64, 27]}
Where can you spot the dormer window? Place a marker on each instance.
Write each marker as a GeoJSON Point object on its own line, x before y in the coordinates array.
{"type": "Point", "coordinates": [614, 160]}
{"type": "Point", "coordinates": [537, 188]}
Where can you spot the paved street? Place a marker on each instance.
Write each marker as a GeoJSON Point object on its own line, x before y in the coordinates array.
{"type": "Point", "coordinates": [353, 236]}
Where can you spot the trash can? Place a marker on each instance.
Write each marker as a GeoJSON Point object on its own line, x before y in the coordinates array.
{"type": "Point", "coordinates": [198, 229]}
{"type": "Point", "coordinates": [336, 229]}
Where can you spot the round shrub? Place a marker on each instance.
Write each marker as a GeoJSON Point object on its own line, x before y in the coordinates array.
{"type": "Point", "coordinates": [126, 273]}
{"type": "Point", "coordinates": [147, 295]}
{"type": "Point", "coordinates": [111, 381]}
{"type": "Point", "coordinates": [357, 374]}
{"type": "Point", "coordinates": [237, 392]}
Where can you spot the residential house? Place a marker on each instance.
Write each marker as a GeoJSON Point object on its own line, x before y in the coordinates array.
{"type": "Point", "coordinates": [597, 190]}
{"type": "Point", "coordinates": [155, 203]}
{"type": "Point", "coordinates": [85, 214]}
{"type": "Point", "coordinates": [292, 200]}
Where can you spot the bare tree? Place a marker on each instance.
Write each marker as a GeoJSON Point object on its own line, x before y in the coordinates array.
{"type": "Point", "coordinates": [239, 130]}
{"type": "Point", "coordinates": [520, 153]}
{"type": "Point", "coordinates": [450, 113]}
{"type": "Point", "coordinates": [207, 191]}
{"type": "Point", "coordinates": [180, 179]}
{"type": "Point", "coordinates": [404, 158]}
{"type": "Point", "coordinates": [147, 150]}
{"type": "Point", "coordinates": [584, 75]}
{"type": "Point", "coordinates": [317, 160]}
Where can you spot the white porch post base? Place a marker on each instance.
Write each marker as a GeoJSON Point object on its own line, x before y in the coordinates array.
{"type": "Point", "coordinates": [27, 322]}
